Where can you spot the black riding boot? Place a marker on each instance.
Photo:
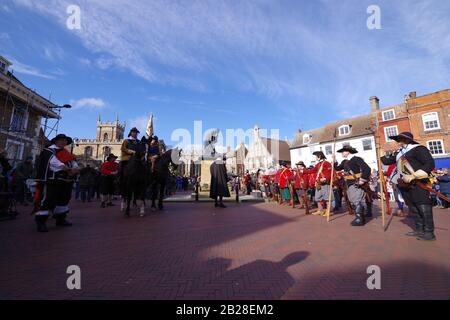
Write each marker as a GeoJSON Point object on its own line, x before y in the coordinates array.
{"type": "Point", "coordinates": [360, 219]}
{"type": "Point", "coordinates": [418, 222]}
{"type": "Point", "coordinates": [61, 220]}
{"type": "Point", "coordinates": [428, 231]}
{"type": "Point", "coordinates": [41, 223]}
{"type": "Point", "coordinates": [369, 210]}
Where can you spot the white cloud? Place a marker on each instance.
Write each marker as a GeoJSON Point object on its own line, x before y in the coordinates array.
{"type": "Point", "coordinates": [90, 103]}
{"type": "Point", "coordinates": [19, 67]}
{"type": "Point", "coordinates": [275, 49]}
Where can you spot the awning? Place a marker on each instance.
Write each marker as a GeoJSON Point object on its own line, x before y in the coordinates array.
{"type": "Point", "coordinates": [441, 163]}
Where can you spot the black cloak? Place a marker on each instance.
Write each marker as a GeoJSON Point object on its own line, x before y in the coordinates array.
{"type": "Point", "coordinates": [219, 181]}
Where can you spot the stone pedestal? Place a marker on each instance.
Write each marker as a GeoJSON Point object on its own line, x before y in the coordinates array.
{"type": "Point", "coordinates": [205, 178]}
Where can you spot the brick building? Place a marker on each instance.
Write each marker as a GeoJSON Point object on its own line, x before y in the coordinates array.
{"type": "Point", "coordinates": [426, 117]}
{"type": "Point", "coordinates": [21, 114]}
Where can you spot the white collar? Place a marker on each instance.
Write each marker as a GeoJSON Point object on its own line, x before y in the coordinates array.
{"type": "Point", "coordinates": [53, 146]}
{"type": "Point", "coordinates": [406, 149]}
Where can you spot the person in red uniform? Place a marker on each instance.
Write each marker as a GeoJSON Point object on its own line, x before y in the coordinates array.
{"type": "Point", "coordinates": [109, 172]}
{"type": "Point", "coordinates": [322, 179]}
{"type": "Point", "coordinates": [286, 176]}
{"type": "Point", "coordinates": [301, 182]}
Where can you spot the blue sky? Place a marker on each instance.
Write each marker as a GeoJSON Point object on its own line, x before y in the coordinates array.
{"type": "Point", "coordinates": [232, 64]}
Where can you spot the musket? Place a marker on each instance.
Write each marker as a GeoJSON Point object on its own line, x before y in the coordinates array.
{"type": "Point", "coordinates": [305, 193]}
{"type": "Point", "coordinates": [328, 212]}
{"type": "Point", "coordinates": [420, 184]}
{"type": "Point", "coordinates": [383, 187]}
{"type": "Point", "coordinates": [291, 190]}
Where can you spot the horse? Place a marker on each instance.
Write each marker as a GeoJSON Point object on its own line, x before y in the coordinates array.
{"type": "Point", "coordinates": [160, 175]}
{"type": "Point", "coordinates": [135, 180]}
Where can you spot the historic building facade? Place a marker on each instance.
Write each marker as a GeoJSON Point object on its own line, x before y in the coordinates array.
{"type": "Point", "coordinates": [426, 117]}
{"type": "Point", "coordinates": [22, 111]}
{"type": "Point", "coordinates": [108, 140]}
{"type": "Point", "coordinates": [264, 153]}
{"type": "Point", "coordinates": [357, 132]}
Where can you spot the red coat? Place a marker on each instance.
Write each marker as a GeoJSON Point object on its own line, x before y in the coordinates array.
{"type": "Point", "coordinates": [325, 174]}
{"type": "Point", "coordinates": [301, 180]}
{"type": "Point", "coordinates": [109, 168]}
{"type": "Point", "coordinates": [286, 175]}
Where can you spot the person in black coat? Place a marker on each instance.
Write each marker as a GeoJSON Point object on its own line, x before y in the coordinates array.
{"type": "Point", "coordinates": [219, 182]}
{"type": "Point", "coordinates": [414, 164]}
{"type": "Point", "coordinates": [357, 174]}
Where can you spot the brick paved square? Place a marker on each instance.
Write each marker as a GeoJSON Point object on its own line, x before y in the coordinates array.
{"type": "Point", "coordinates": [195, 251]}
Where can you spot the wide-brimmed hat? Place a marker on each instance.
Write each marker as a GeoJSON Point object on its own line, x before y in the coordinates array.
{"type": "Point", "coordinates": [319, 154]}
{"type": "Point", "coordinates": [349, 149]}
{"type": "Point", "coordinates": [60, 137]}
{"type": "Point", "coordinates": [112, 155]}
{"type": "Point", "coordinates": [133, 130]}
{"type": "Point", "coordinates": [300, 163]}
{"type": "Point", "coordinates": [404, 136]}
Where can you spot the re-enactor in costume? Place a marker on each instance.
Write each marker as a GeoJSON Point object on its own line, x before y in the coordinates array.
{"type": "Point", "coordinates": [414, 164]}
{"type": "Point", "coordinates": [56, 171]}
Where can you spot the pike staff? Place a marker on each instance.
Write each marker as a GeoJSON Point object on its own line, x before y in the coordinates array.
{"type": "Point", "coordinates": [328, 213]}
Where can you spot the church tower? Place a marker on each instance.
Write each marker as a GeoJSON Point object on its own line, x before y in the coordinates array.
{"type": "Point", "coordinates": [110, 131]}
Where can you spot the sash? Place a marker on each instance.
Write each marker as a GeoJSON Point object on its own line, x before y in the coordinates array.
{"type": "Point", "coordinates": [400, 167]}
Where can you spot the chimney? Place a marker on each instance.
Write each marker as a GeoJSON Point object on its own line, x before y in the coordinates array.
{"type": "Point", "coordinates": [375, 103]}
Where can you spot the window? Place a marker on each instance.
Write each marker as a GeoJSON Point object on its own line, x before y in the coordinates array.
{"type": "Point", "coordinates": [436, 147]}
{"type": "Point", "coordinates": [14, 151]}
{"type": "Point", "coordinates": [389, 132]}
{"type": "Point", "coordinates": [105, 137]}
{"type": "Point", "coordinates": [306, 138]}
{"type": "Point", "coordinates": [106, 151]}
{"type": "Point", "coordinates": [88, 151]}
{"type": "Point", "coordinates": [19, 119]}
{"type": "Point", "coordinates": [344, 130]}
{"type": "Point", "coordinates": [388, 115]}
{"type": "Point", "coordinates": [328, 150]}
{"type": "Point", "coordinates": [367, 144]}
{"type": "Point", "coordinates": [431, 121]}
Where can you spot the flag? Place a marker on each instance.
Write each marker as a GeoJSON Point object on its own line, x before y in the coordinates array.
{"type": "Point", "coordinates": [149, 131]}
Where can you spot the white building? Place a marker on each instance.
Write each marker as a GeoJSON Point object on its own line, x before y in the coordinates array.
{"type": "Point", "coordinates": [265, 153]}
{"type": "Point", "coordinates": [356, 132]}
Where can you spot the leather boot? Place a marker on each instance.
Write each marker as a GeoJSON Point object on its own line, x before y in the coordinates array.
{"type": "Point", "coordinates": [61, 220]}
{"type": "Point", "coordinates": [360, 219]}
{"type": "Point", "coordinates": [41, 223]}
{"type": "Point", "coordinates": [418, 222]}
{"type": "Point", "coordinates": [426, 211]}
{"type": "Point", "coordinates": [369, 210]}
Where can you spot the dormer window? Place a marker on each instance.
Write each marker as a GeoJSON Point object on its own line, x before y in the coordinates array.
{"type": "Point", "coordinates": [306, 138]}
{"type": "Point", "coordinates": [344, 130]}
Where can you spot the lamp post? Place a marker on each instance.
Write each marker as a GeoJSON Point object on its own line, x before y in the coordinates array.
{"type": "Point", "coordinates": [56, 107]}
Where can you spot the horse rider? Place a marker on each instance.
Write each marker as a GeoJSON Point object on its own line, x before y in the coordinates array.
{"type": "Point", "coordinates": [56, 172]}
{"type": "Point", "coordinates": [154, 152]}
{"type": "Point", "coordinates": [128, 149]}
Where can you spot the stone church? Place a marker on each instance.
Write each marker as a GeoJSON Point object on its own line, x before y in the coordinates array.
{"type": "Point", "coordinates": [108, 140]}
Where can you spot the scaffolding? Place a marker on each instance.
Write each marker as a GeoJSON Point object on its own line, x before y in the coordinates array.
{"type": "Point", "coordinates": [16, 125]}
